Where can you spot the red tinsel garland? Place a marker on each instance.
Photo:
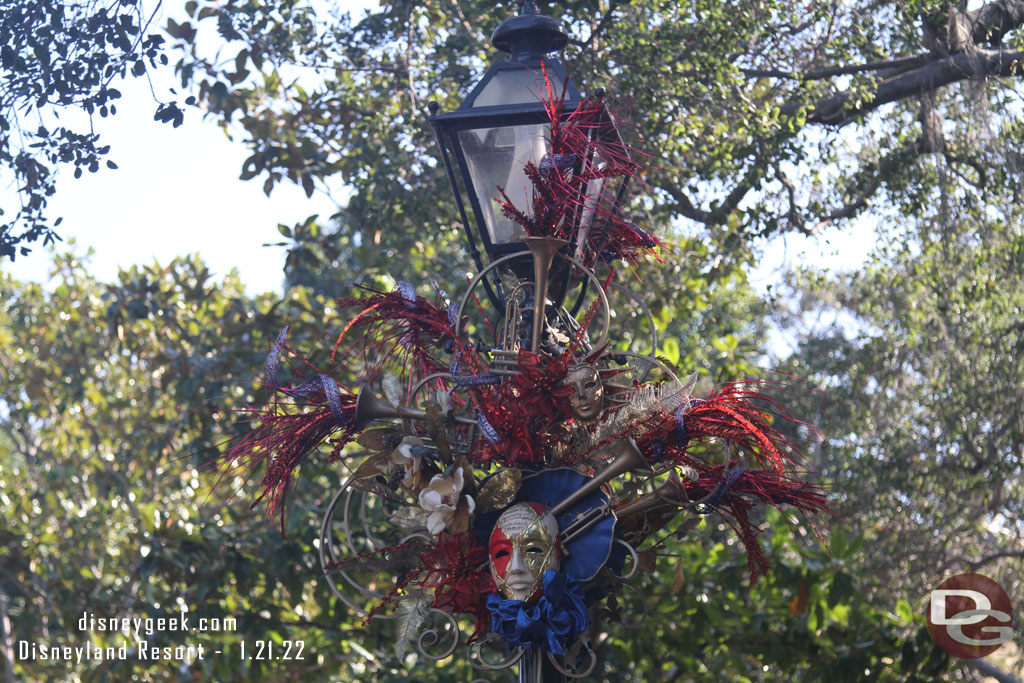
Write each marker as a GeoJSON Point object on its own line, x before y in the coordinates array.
{"type": "Point", "coordinates": [520, 409]}
{"type": "Point", "coordinates": [283, 438]}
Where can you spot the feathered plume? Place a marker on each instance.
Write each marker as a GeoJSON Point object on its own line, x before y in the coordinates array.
{"type": "Point", "coordinates": [646, 409]}
{"type": "Point", "coordinates": [400, 325]}
{"type": "Point", "coordinates": [290, 428]}
{"type": "Point", "coordinates": [735, 413]}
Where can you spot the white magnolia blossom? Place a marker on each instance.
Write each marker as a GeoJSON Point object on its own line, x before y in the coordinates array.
{"type": "Point", "coordinates": [403, 456]}
{"type": "Point", "coordinates": [440, 499]}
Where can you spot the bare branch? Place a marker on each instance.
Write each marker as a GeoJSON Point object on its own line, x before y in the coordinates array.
{"type": "Point", "coordinates": [687, 207]}
{"type": "Point", "coordinates": [462, 17]}
{"type": "Point", "coordinates": [989, 670]}
{"type": "Point", "coordinates": [954, 160]}
{"type": "Point", "coordinates": [603, 23]}
{"type": "Point", "coordinates": [852, 208]}
{"type": "Point", "coordinates": [839, 109]}
{"type": "Point", "coordinates": [988, 559]}
{"type": "Point", "coordinates": [829, 72]}
{"type": "Point", "coordinates": [718, 214]}
{"type": "Point", "coordinates": [990, 22]}
{"type": "Point", "coordinates": [848, 211]}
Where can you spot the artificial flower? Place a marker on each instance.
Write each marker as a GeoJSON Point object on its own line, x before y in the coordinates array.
{"type": "Point", "coordinates": [404, 456]}
{"type": "Point", "coordinates": [440, 499]}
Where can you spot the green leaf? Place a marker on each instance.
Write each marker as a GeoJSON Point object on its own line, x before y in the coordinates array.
{"type": "Point", "coordinates": [904, 611]}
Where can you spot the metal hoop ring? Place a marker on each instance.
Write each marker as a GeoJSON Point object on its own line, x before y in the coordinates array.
{"type": "Point", "coordinates": [598, 287]}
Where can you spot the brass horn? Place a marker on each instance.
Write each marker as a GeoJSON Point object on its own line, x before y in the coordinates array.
{"type": "Point", "coordinates": [369, 408]}
{"type": "Point", "coordinates": [628, 459]}
{"type": "Point", "coordinates": [543, 250]}
{"type": "Point", "coordinates": [664, 496]}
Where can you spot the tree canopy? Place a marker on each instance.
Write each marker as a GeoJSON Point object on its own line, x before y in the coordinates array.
{"type": "Point", "coordinates": [759, 118]}
{"type": "Point", "coordinates": [767, 116]}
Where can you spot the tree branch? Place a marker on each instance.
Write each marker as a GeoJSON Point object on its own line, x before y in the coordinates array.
{"type": "Point", "coordinates": [978, 564]}
{"type": "Point", "coordinates": [994, 20]}
{"type": "Point", "coordinates": [975, 565]}
{"type": "Point", "coordinates": [686, 205]}
{"type": "Point", "coordinates": [987, 669]}
{"type": "Point", "coordinates": [829, 72]}
{"type": "Point", "coordinates": [849, 210]}
{"type": "Point", "coordinates": [718, 214]}
{"type": "Point", "coordinates": [839, 110]}
{"type": "Point", "coordinates": [602, 24]}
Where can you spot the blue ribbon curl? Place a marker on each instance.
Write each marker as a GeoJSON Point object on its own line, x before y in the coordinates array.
{"type": "Point", "coordinates": [558, 616]}
{"type": "Point", "coordinates": [720, 491]}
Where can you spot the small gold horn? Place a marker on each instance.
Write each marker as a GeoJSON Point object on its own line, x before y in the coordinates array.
{"type": "Point", "coordinates": [370, 408]}
{"type": "Point", "coordinates": [543, 250]}
{"type": "Point", "coordinates": [665, 495]}
{"type": "Point", "coordinates": [628, 459]}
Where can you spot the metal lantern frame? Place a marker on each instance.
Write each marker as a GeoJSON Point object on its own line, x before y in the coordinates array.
{"type": "Point", "coordinates": [529, 38]}
{"type": "Point", "coordinates": [469, 117]}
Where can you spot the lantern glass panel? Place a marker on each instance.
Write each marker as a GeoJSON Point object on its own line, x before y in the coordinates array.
{"type": "Point", "coordinates": [496, 158]}
{"type": "Point", "coordinates": [594, 198]}
{"type": "Point", "coordinates": [517, 86]}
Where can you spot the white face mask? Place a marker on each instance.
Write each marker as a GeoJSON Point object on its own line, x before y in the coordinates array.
{"type": "Point", "coordinates": [587, 400]}
{"type": "Point", "coordinates": [523, 545]}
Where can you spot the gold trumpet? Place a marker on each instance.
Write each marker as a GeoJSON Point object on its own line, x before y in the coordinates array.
{"type": "Point", "coordinates": [628, 459]}
{"type": "Point", "coordinates": [664, 496]}
{"type": "Point", "coordinates": [369, 408]}
{"type": "Point", "coordinates": [543, 250]}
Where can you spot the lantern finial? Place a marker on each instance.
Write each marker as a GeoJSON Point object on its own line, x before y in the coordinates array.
{"type": "Point", "coordinates": [527, 7]}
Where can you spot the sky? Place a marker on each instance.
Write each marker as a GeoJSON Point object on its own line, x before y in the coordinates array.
{"type": "Point", "coordinates": [176, 191]}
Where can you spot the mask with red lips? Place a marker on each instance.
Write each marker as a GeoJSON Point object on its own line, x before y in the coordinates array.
{"type": "Point", "coordinates": [523, 545]}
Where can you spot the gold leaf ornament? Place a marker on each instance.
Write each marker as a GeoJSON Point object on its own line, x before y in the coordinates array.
{"type": "Point", "coordinates": [647, 560]}
{"type": "Point", "coordinates": [499, 490]}
{"type": "Point", "coordinates": [460, 522]}
{"type": "Point", "coordinates": [436, 431]}
{"type": "Point", "coordinates": [374, 465]}
{"type": "Point", "coordinates": [382, 439]}
{"type": "Point", "coordinates": [372, 475]}
{"type": "Point", "coordinates": [678, 578]}
{"type": "Point", "coordinates": [410, 517]}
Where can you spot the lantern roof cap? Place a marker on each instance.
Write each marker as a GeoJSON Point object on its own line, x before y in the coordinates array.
{"type": "Point", "coordinates": [530, 35]}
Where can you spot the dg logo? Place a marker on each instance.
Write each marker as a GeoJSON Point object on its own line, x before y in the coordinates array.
{"type": "Point", "coordinates": [970, 616]}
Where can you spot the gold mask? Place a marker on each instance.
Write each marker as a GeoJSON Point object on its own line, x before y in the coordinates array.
{"type": "Point", "coordinates": [523, 545]}
{"type": "Point", "coordinates": [587, 400]}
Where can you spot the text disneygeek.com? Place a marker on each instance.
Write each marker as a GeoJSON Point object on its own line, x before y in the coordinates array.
{"type": "Point", "coordinates": [144, 641]}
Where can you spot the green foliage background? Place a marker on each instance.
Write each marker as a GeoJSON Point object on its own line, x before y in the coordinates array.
{"type": "Point", "coordinates": [113, 394]}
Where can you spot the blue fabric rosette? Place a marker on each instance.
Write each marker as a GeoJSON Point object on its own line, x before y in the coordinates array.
{"type": "Point", "coordinates": [557, 617]}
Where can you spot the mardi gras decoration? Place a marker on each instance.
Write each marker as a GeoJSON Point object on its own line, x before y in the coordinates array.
{"type": "Point", "coordinates": [523, 546]}
{"type": "Point", "coordinates": [523, 462]}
